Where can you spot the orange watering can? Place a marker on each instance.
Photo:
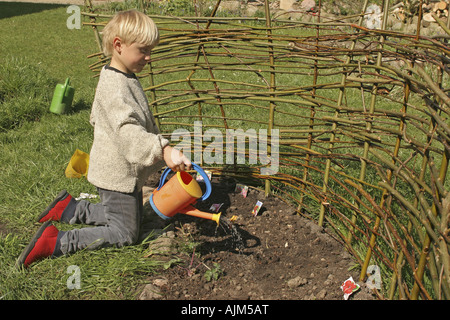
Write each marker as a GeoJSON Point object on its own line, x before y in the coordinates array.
{"type": "Point", "coordinates": [179, 194]}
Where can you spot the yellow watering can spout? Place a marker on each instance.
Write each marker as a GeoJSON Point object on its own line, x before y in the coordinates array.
{"type": "Point", "coordinates": [191, 211]}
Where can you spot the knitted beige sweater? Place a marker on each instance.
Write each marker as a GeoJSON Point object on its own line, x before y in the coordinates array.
{"type": "Point", "coordinates": [127, 146]}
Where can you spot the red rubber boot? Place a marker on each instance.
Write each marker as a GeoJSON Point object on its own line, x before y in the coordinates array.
{"type": "Point", "coordinates": [44, 244]}
{"type": "Point", "coordinates": [61, 209]}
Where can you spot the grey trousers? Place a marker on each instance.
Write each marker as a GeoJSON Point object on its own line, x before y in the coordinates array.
{"type": "Point", "coordinates": [116, 220]}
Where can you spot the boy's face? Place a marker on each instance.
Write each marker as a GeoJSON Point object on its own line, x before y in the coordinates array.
{"type": "Point", "coordinates": [130, 58]}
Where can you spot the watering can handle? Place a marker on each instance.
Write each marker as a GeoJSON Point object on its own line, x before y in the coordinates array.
{"type": "Point", "coordinates": [66, 85]}
{"type": "Point", "coordinates": [199, 170]}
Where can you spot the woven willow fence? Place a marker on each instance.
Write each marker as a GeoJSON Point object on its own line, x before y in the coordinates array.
{"type": "Point", "coordinates": [361, 117]}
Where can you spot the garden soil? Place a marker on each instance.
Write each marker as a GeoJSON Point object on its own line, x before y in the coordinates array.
{"type": "Point", "coordinates": [275, 255]}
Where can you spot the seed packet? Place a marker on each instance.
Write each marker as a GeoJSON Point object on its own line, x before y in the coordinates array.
{"type": "Point", "coordinates": [216, 207]}
{"type": "Point", "coordinates": [242, 189]}
{"type": "Point", "coordinates": [256, 208]}
{"type": "Point", "coordinates": [199, 177]}
{"type": "Point", "coordinates": [349, 287]}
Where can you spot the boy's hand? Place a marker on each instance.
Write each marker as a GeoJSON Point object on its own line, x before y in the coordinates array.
{"type": "Point", "coordinates": [175, 159]}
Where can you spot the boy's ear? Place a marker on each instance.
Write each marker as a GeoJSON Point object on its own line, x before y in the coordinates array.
{"type": "Point", "coordinates": [117, 44]}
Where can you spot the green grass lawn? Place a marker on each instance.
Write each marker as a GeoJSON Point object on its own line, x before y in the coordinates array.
{"type": "Point", "coordinates": [35, 154]}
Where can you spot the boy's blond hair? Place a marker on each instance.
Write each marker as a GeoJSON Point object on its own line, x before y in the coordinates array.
{"type": "Point", "coordinates": [130, 26]}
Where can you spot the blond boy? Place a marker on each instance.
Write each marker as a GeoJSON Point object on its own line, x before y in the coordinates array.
{"type": "Point", "coordinates": [126, 149]}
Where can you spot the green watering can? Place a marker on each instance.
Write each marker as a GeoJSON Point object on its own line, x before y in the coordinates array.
{"type": "Point", "coordinates": [62, 98]}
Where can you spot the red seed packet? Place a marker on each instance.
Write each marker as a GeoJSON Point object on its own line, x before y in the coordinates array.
{"type": "Point", "coordinates": [349, 287]}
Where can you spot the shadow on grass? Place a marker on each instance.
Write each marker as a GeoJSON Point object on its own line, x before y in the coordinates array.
{"type": "Point", "coordinates": [80, 105]}
{"type": "Point", "coordinates": [12, 9]}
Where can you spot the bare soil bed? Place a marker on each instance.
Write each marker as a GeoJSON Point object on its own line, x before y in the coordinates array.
{"type": "Point", "coordinates": [275, 255]}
